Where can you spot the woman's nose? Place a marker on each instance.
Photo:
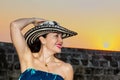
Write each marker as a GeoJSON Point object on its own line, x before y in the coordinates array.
{"type": "Point", "coordinates": [60, 39]}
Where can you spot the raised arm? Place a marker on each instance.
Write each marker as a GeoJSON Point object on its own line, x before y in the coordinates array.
{"type": "Point", "coordinates": [17, 36]}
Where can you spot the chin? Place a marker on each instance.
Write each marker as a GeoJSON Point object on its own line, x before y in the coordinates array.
{"type": "Point", "coordinates": [58, 51]}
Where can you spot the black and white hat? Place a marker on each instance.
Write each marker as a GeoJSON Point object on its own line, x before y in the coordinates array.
{"type": "Point", "coordinates": [44, 28]}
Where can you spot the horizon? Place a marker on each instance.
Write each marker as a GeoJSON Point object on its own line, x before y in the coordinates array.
{"type": "Point", "coordinates": [77, 48]}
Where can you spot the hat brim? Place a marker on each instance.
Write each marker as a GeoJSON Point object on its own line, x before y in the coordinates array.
{"type": "Point", "coordinates": [36, 32]}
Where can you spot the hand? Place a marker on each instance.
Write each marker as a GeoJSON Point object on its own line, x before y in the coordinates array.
{"type": "Point", "coordinates": [38, 21]}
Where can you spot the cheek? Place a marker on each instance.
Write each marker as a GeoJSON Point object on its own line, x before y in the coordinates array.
{"type": "Point", "coordinates": [51, 45]}
{"type": "Point", "coordinates": [51, 42]}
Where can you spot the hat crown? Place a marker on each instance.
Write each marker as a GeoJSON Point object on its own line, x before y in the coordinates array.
{"type": "Point", "coordinates": [49, 24]}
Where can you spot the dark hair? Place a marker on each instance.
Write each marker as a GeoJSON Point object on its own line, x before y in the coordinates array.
{"type": "Point", "coordinates": [35, 47]}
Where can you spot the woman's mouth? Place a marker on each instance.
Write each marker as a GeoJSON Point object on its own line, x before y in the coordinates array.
{"type": "Point", "coordinates": [59, 46]}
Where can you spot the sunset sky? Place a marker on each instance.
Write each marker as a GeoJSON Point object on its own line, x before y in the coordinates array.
{"type": "Point", "coordinates": [96, 21]}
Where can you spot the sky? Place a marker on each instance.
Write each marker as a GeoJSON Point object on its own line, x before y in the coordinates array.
{"type": "Point", "coordinates": [97, 22]}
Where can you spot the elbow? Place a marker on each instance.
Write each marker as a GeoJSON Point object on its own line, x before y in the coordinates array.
{"type": "Point", "coordinates": [12, 24]}
{"type": "Point", "coordinates": [13, 27]}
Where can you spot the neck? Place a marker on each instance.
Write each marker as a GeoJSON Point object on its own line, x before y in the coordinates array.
{"type": "Point", "coordinates": [46, 56]}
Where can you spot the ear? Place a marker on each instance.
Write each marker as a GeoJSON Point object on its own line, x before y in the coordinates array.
{"type": "Point", "coordinates": [42, 39]}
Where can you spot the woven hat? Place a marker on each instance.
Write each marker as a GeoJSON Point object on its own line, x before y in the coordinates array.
{"type": "Point", "coordinates": [44, 28]}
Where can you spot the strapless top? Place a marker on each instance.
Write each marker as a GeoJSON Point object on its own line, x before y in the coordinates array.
{"type": "Point", "coordinates": [32, 74]}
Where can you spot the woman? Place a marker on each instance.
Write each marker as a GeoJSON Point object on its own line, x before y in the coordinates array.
{"type": "Point", "coordinates": [37, 47]}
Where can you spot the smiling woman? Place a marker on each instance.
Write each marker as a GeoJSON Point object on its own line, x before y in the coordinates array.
{"type": "Point", "coordinates": [47, 36]}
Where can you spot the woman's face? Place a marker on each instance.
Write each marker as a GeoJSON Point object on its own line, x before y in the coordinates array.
{"type": "Point", "coordinates": [53, 42]}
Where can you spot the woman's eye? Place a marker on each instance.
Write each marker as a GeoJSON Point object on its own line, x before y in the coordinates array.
{"type": "Point", "coordinates": [56, 36]}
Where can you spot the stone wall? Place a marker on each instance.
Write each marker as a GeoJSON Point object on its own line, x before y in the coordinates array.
{"type": "Point", "coordinates": [87, 64]}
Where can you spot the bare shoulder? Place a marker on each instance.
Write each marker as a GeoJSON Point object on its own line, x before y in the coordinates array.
{"type": "Point", "coordinates": [67, 69]}
{"type": "Point", "coordinates": [65, 65]}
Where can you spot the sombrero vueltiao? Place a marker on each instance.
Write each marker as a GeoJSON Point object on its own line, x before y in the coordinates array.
{"type": "Point", "coordinates": [44, 28]}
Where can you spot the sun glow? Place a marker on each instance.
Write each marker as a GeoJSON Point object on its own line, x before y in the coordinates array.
{"type": "Point", "coordinates": [106, 42]}
{"type": "Point", "coordinates": [106, 45]}
{"type": "Point", "coordinates": [112, 44]}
